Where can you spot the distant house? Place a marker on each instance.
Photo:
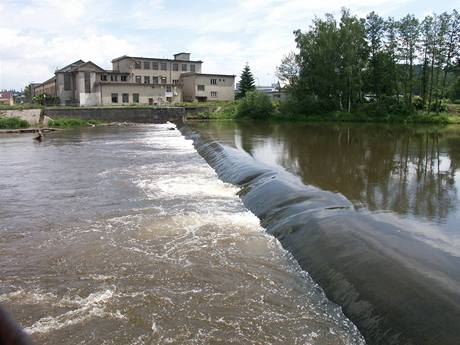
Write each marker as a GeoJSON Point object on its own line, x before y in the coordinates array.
{"type": "Point", "coordinates": [137, 80]}
{"type": "Point", "coordinates": [6, 97]}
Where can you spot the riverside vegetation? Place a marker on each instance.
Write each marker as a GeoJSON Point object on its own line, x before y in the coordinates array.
{"type": "Point", "coordinates": [364, 69]}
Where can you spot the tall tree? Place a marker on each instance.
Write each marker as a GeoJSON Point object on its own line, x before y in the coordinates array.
{"type": "Point", "coordinates": [246, 82]}
{"type": "Point", "coordinates": [427, 47]}
{"type": "Point", "coordinates": [452, 43]}
{"type": "Point", "coordinates": [408, 30]}
{"type": "Point", "coordinates": [288, 70]}
{"type": "Point", "coordinates": [391, 50]}
{"type": "Point", "coordinates": [375, 26]}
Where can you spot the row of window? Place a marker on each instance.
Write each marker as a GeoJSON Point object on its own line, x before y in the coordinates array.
{"type": "Point", "coordinates": [114, 77]}
{"type": "Point", "coordinates": [125, 96]}
{"type": "Point", "coordinates": [164, 66]}
{"type": "Point", "coordinates": [202, 88]}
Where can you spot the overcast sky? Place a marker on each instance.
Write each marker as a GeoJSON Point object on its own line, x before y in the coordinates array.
{"type": "Point", "coordinates": [38, 36]}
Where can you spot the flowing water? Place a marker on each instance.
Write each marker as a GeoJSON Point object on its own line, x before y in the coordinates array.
{"type": "Point", "coordinates": [370, 211]}
{"type": "Point", "coordinates": [127, 236]}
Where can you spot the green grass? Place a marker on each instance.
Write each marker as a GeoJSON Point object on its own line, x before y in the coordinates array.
{"type": "Point", "coordinates": [220, 111]}
{"type": "Point", "coordinates": [70, 122]}
{"type": "Point", "coordinates": [12, 123]}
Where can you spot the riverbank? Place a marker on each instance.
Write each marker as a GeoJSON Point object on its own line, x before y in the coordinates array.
{"type": "Point", "coordinates": [229, 111]}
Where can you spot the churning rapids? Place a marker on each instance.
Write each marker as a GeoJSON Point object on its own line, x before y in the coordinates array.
{"type": "Point", "coordinates": [127, 236]}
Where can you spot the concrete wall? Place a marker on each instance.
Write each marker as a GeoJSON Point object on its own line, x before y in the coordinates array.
{"type": "Point", "coordinates": [224, 87]}
{"type": "Point", "coordinates": [138, 115]}
{"type": "Point", "coordinates": [157, 92]}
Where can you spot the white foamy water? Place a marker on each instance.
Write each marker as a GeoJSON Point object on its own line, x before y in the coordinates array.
{"type": "Point", "coordinates": [150, 247]}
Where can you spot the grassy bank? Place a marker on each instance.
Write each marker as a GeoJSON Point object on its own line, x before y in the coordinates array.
{"type": "Point", "coordinates": [12, 123]}
{"type": "Point", "coordinates": [229, 110]}
{"type": "Point", "coordinates": [70, 122]}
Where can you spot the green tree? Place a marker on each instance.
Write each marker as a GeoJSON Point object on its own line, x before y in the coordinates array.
{"type": "Point", "coordinates": [246, 82]}
{"type": "Point", "coordinates": [408, 30]}
{"type": "Point", "coordinates": [255, 105]}
{"type": "Point", "coordinates": [288, 70]}
{"type": "Point", "coordinates": [375, 26]}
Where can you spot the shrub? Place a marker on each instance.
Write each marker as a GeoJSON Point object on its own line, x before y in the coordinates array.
{"type": "Point", "coordinates": [13, 123]}
{"type": "Point", "coordinates": [69, 122]}
{"type": "Point", "coordinates": [255, 105]}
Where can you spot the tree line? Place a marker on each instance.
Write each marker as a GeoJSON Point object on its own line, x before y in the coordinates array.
{"type": "Point", "coordinates": [375, 65]}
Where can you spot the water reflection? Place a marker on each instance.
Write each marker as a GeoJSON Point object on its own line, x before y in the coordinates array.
{"type": "Point", "coordinates": [413, 171]}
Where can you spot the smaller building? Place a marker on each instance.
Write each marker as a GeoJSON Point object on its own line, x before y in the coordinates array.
{"type": "Point", "coordinates": [6, 98]}
{"type": "Point", "coordinates": [203, 87]}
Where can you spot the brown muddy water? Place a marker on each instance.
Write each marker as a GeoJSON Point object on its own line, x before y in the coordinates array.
{"type": "Point", "coordinates": [127, 236]}
{"type": "Point", "coordinates": [370, 211]}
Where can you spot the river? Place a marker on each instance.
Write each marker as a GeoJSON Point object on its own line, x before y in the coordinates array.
{"type": "Point", "coordinates": [127, 236]}
{"type": "Point", "coordinates": [370, 211]}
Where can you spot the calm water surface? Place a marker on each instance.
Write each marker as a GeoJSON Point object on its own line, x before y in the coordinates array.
{"type": "Point", "coordinates": [404, 174]}
{"type": "Point", "coordinates": [127, 236]}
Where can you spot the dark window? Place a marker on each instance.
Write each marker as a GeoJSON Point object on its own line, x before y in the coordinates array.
{"type": "Point", "coordinates": [175, 66]}
{"type": "Point", "coordinates": [163, 66]}
{"type": "Point", "coordinates": [66, 81]}
{"type": "Point", "coordinates": [213, 93]}
{"type": "Point", "coordinates": [155, 80]}
{"type": "Point", "coordinates": [184, 67]}
{"type": "Point", "coordinates": [138, 79]}
{"type": "Point", "coordinates": [192, 68]}
{"type": "Point", "coordinates": [114, 97]}
{"type": "Point", "coordinates": [150, 101]}
{"type": "Point", "coordinates": [137, 65]}
{"type": "Point", "coordinates": [175, 81]}
{"type": "Point", "coordinates": [135, 98]}
{"type": "Point", "coordinates": [200, 87]}
{"type": "Point", "coordinates": [113, 78]}
{"type": "Point", "coordinates": [124, 78]}
{"type": "Point", "coordinates": [213, 81]}
{"type": "Point", "coordinates": [155, 65]}
{"type": "Point", "coordinates": [103, 77]}
{"type": "Point", "coordinates": [125, 97]}
{"type": "Point", "coordinates": [168, 88]}
{"type": "Point", "coordinates": [146, 65]}
{"type": "Point", "coordinates": [146, 79]}
{"type": "Point", "coordinates": [87, 83]}
{"type": "Point", "coordinates": [163, 80]}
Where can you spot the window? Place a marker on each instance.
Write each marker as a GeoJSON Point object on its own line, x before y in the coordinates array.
{"type": "Point", "coordinates": [125, 97]}
{"type": "Point", "coordinates": [200, 87]}
{"type": "Point", "coordinates": [213, 93]}
{"type": "Point", "coordinates": [66, 81]}
{"type": "Point", "coordinates": [138, 79]}
{"type": "Point", "coordinates": [192, 68]}
{"type": "Point", "coordinates": [114, 97]}
{"type": "Point", "coordinates": [146, 79]}
{"type": "Point", "coordinates": [137, 65]}
{"type": "Point", "coordinates": [124, 78]}
{"type": "Point", "coordinates": [113, 78]}
{"type": "Point", "coordinates": [175, 66]}
{"type": "Point", "coordinates": [155, 66]}
{"type": "Point", "coordinates": [175, 81]}
{"type": "Point", "coordinates": [163, 80]}
{"type": "Point", "coordinates": [213, 81]}
{"type": "Point", "coordinates": [184, 67]}
{"type": "Point", "coordinates": [103, 77]}
{"type": "Point", "coordinates": [150, 101]}
{"type": "Point", "coordinates": [87, 82]}
{"type": "Point", "coordinates": [168, 88]}
{"type": "Point", "coordinates": [135, 98]}
{"type": "Point", "coordinates": [163, 66]}
{"type": "Point", "coordinates": [155, 80]}
{"type": "Point", "coordinates": [146, 65]}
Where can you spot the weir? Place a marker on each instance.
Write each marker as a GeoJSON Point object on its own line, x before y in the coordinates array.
{"type": "Point", "coordinates": [396, 288]}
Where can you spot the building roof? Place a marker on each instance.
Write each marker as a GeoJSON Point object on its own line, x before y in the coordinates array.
{"type": "Point", "coordinates": [207, 74]}
{"type": "Point", "coordinates": [152, 59]}
{"type": "Point", "coordinates": [6, 94]}
{"type": "Point", "coordinates": [71, 66]}
{"type": "Point", "coordinates": [88, 63]}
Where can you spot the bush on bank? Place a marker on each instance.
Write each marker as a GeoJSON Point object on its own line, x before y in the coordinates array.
{"type": "Point", "coordinates": [12, 123]}
{"type": "Point", "coordinates": [70, 122]}
{"type": "Point", "coordinates": [255, 105]}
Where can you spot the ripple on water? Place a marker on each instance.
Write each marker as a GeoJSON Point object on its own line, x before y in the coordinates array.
{"type": "Point", "coordinates": [186, 263]}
